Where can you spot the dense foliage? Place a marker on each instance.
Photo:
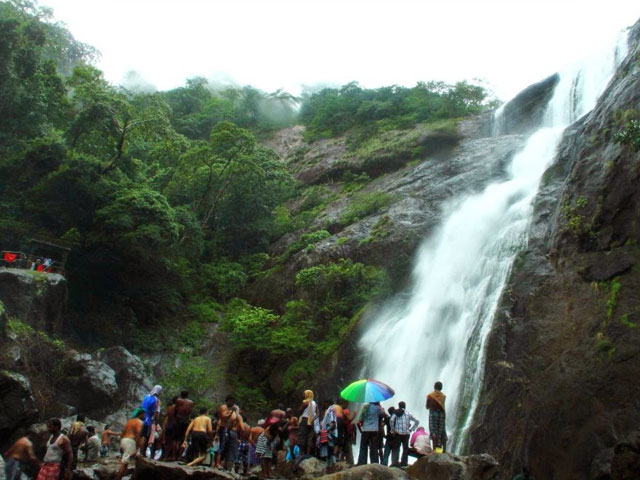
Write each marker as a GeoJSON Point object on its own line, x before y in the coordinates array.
{"type": "Point", "coordinates": [170, 203]}
{"type": "Point", "coordinates": [333, 111]}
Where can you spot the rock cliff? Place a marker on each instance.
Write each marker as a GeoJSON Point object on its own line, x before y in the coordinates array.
{"type": "Point", "coordinates": [561, 393]}
{"type": "Point", "coordinates": [41, 376]}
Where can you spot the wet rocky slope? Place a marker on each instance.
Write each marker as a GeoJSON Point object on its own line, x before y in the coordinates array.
{"type": "Point", "coordinates": [561, 392]}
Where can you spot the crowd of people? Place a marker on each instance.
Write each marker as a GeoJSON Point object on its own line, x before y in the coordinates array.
{"type": "Point", "coordinates": [225, 440]}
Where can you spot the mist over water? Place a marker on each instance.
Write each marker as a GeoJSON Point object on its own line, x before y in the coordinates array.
{"type": "Point", "coordinates": [438, 329]}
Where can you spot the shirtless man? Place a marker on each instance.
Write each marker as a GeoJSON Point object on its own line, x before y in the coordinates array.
{"type": "Point", "coordinates": [229, 423]}
{"type": "Point", "coordinates": [243, 448]}
{"type": "Point", "coordinates": [183, 410]}
{"type": "Point", "coordinates": [254, 433]}
{"type": "Point", "coordinates": [107, 433]}
{"type": "Point", "coordinates": [170, 439]}
{"type": "Point", "coordinates": [17, 457]}
{"type": "Point", "coordinates": [58, 448]}
{"type": "Point", "coordinates": [201, 432]}
{"type": "Point", "coordinates": [132, 441]}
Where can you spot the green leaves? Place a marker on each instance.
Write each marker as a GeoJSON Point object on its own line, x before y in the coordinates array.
{"type": "Point", "coordinates": [139, 222]}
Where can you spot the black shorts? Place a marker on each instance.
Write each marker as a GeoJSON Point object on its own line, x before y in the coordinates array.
{"type": "Point", "coordinates": [198, 443]}
{"type": "Point", "coordinates": [339, 441]}
{"type": "Point", "coordinates": [146, 431]}
{"type": "Point", "coordinates": [171, 433]}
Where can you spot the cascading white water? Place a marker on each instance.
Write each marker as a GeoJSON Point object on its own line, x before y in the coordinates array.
{"type": "Point", "coordinates": [438, 331]}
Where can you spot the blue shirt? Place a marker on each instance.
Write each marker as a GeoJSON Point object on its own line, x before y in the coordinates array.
{"type": "Point", "coordinates": [370, 417]}
{"type": "Point", "coordinates": [150, 406]}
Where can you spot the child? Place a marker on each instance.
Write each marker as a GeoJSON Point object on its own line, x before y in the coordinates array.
{"type": "Point", "coordinates": [264, 452]}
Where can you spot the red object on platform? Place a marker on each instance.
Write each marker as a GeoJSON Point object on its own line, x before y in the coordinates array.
{"type": "Point", "coordinates": [10, 257]}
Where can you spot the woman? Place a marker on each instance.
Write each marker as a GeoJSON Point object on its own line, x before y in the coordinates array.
{"type": "Point", "coordinates": [307, 424]}
{"type": "Point", "coordinates": [420, 441]}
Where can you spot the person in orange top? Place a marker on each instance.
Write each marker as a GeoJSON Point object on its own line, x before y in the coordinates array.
{"type": "Point", "coordinates": [437, 417]}
{"type": "Point", "coordinates": [132, 441]}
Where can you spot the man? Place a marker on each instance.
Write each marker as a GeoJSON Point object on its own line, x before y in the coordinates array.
{"type": "Point", "coordinates": [58, 449]}
{"type": "Point", "coordinates": [78, 436]}
{"type": "Point", "coordinates": [401, 429]}
{"type": "Point", "coordinates": [334, 413]}
{"type": "Point", "coordinates": [370, 416]}
{"type": "Point", "coordinates": [17, 457]}
{"type": "Point", "coordinates": [132, 441]}
{"type": "Point", "coordinates": [171, 438]}
{"type": "Point", "coordinates": [201, 433]}
{"type": "Point", "coordinates": [107, 433]}
{"type": "Point", "coordinates": [388, 439]}
{"type": "Point", "coordinates": [229, 423]}
{"type": "Point", "coordinates": [183, 409]}
{"type": "Point", "coordinates": [151, 407]}
{"type": "Point", "coordinates": [350, 432]}
{"type": "Point", "coordinates": [254, 434]}
{"type": "Point", "coordinates": [437, 417]}
{"type": "Point", "coordinates": [92, 448]}
{"type": "Point", "coordinates": [243, 449]}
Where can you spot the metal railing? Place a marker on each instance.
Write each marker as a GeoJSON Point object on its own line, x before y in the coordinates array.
{"type": "Point", "coordinates": [26, 261]}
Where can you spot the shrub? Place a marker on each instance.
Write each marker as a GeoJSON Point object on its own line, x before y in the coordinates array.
{"type": "Point", "coordinates": [363, 205]}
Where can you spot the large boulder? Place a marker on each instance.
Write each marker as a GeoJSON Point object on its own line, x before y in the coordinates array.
{"type": "Point", "coordinates": [133, 383]}
{"type": "Point", "coordinates": [444, 466]}
{"type": "Point", "coordinates": [89, 384]}
{"type": "Point", "coordinates": [17, 405]}
{"type": "Point", "coordinates": [525, 111]}
{"type": "Point", "coordinates": [147, 469]}
{"type": "Point", "coordinates": [368, 472]}
{"type": "Point", "coordinates": [37, 299]}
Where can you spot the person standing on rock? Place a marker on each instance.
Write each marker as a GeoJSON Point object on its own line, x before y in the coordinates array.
{"type": "Point", "coordinates": [107, 433]}
{"type": "Point", "coordinates": [388, 439]}
{"type": "Point", "coordinates": [58, 449]}
{"type": "Point", "coordinates": [78, 436]}
{"type": "Point", "coordinates": [307, 427]}
{"type": "Point", "coordinates": [242, 458]}
{"type": "Point", "coordinates": [229, 421]}
{"type": "Point", "coordinates": [437, 417]}
{"type": "Point", "coordinates": [170, 437]}
{"type": "Point", "coordinates": [132, 441]}
{"type": "Point", "coordinates": [17, 457]}
{"type": "Point", "coordinates": [370, 416]}
{"type": "Point", "coordinates": [201, 432]}
{"type": "Point", "coordinates": [350, 432]}
{"type": "Point", "coordinates": [92, 448]}
{"type": "Point", "coordinates": [254, 434]}
{"type": "Point", "coordinates": [183, 410]}
{"type": "Point", "coordinates": [401, 428]}
{"type": "Point", "coordinates": [151, 407]}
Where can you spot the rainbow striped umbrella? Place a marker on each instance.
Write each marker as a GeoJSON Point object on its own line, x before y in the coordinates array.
{"type": "Point", "coordinates": [367, 390]}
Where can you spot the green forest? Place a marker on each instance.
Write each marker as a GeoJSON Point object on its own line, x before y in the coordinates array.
{"type": "Point", "coordinates": [170, 201]}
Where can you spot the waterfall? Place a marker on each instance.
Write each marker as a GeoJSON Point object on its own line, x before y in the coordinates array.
{"type": "Point", "coordinates": [438, 329]}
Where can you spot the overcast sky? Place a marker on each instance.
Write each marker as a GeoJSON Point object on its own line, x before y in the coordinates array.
{"type": "Point", "coordinates": [286, 44]}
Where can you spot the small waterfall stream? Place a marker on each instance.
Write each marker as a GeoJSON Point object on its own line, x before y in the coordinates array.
{"type": "Point", "coordinates": [438, 329]}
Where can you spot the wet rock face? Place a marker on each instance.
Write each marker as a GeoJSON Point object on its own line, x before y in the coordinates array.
{"type": "Point", "coordinates": [133, 383]}
{"type": "Point", "coordinates": [36, 299]}
{"type": "Point", "coordinates": [153, 470]}
{"type": "Point", "coordinates": [447, 467]}
{"type": "Point", "coordinates": [368, 472]}
{"type": "Point", "coordinates": [563, 357]}
{"type": "Point", "coordinates": [525, 112]}
{"type": "Point", "coordinates": [17, 405]}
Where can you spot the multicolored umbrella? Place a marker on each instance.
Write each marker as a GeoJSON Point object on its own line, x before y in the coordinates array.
{"type": "Point", "coordinates": [367, 390]}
